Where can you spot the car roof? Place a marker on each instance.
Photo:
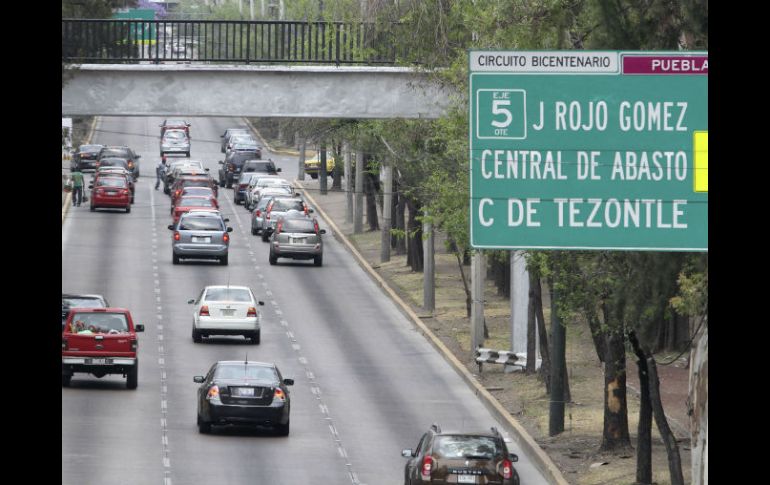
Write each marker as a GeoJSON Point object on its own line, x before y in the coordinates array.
{"type": "Point", "coordinates": [73, 295]}
{"type": "Point", "coordinates": [110, 309]}
{"type": "Point", "coordinates": [227, 286]}
{"type": "Point", "coordinates": [203, 213]}
{"type": "Point", "coordinates": [241, 362]}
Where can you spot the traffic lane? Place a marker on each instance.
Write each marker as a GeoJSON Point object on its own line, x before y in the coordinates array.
{"type": "Point", "coordinates": [240, 453]}
{"type": "Point", "coordinates": [110, 432]}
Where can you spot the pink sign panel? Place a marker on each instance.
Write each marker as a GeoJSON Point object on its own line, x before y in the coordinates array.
{"type": "Point", "coordinates": [677, 65]}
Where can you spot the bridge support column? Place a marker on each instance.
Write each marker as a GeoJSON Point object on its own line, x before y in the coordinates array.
{"type": "Point", "coordinates": [358, 216]}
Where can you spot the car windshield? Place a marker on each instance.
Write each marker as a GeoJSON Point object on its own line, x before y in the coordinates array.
{"type": "Point", "coordinates": [258, 167]}
{"type": "Point", "coordinates": [111, 182]}
{"type": "Point", "coordinates": [91, 323]}
{"type": "Point", "coordinates": [201, 224]}
{"type": "Point", "coordinates": [299, 225]}
{"type": "Point", "coordinates": [82, 302]}
{"type": "Point", "coordinates": [114, 162]}
{"type": "Point", "coordinates": [196, 183]}
{"type": "Point", "coordinates": [90, 148]}
{"type": "Point", "coordinates": [227, 294]}
{"type": "Point", "coordinates": [174, 135]}
{"type": "Point", "coordinates": [288, 204]}
{"type": "Point", "coordinates": [263, 182]}
{"type": "Point", "coordinates": [467, 447]}
{"type": "Point", "coordinates": [243, 371]}
{"type": "Point", "coordinates": [195, 202]}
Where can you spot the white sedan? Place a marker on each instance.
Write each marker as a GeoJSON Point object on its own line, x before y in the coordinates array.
{"type": "Point", "coordinates": [226, 310]}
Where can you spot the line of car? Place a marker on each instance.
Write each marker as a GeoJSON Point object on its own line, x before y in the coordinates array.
{"type": "Point", "coordinates": [99, 339]}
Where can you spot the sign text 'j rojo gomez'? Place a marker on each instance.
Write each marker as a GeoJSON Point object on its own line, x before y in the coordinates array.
{"type": "Point", "coordinates": [589, 150]}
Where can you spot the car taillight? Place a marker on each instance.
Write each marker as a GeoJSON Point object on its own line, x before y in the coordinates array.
{"type": "Point", "coordinates": [279, 227]}
{"type": "Point", "coordinates": [226, 237]}
{"type": "Point", "coordinates": [64, 344]}
{"type": "Point", "coordinates": [130, 164]}
{"type": "Point", "coordinates": [427, 467]}
{"type": "Point", "coordinates": [251, 312]}
{"type": "Point", "coordinates": [125, 191]}
{"type": "Point", "coordinates": [213, 392]}
{"type": "Point", "coordinates": [507, 471]}
{"type": "Point", "coordinates": [259, 213]}
{"type": "Point", "coordinates": [279, 394]}
{"type": "Point", "coordinates": [134, 345]}
{"type": "Point", "coordinates": [315, 226]}
{"type": "Point", "coordinates": [306, 213]}
{"type": "Point", "coordinates": [176, 194]}
{"type": "Point", "coordinates": [176, 236]}
{"type": "Point", "coordinates": [204, 311]}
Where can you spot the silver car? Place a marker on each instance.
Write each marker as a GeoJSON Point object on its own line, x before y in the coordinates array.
{"type": "Point", "coordinates": [258, 182]}
{"type": "Point", "coordinates": [277, 208]}
{"type": "Point", "coordinates": [226, 310]}
{"type": "Point", "coordinates": [175, 141]}
{"type": "Point", "coordinates": [297, 237]}
{"type": "Point", "coordinates": [201, 235]}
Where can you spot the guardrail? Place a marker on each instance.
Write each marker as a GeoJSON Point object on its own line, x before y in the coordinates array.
{"type": "Point", "coordinates": [228, 41]}
{"type": "Point", "coordinates": [490, 356]}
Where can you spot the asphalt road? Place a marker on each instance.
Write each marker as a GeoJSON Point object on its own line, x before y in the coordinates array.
{"type": "Point", "coordinates": [367, 385]}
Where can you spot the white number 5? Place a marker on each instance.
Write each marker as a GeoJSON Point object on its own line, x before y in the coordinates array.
{"type": "Point", "coordinates": [496, 110]}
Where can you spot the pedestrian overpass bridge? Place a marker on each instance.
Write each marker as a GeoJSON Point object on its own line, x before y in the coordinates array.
{"type": "Point", "coordinates": [253, 91]}
{"type": "Point", "coordinates": [242, 68]}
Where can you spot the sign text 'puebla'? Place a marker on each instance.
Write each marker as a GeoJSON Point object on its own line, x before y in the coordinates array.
{"type": "Point", "coordinates": [589, 150]}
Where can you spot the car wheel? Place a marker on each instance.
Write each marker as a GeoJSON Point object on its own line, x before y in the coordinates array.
{"type": "Point", "coordinates": [93, 209]}
{"type": "Point", "coordinates": [128, 209]}
{"type": "Point", "coordinates": [188, 154]}
{"type": "Point", "coordinates": [221, 181]}
{"type": "Point", "coordinates": [253, 231]}
{"type": "Point", "coordinates": [132, 378]}
{"type": "Point", "coordinates": [254, 337]}
{"type": "Point", "coordinates": [132, 199]}
{"type": "Point", "coordinates": [265, 236]}
{"type": "Point", "coordinates": [282, 429]}
{"type": "Point", "coordinates": [318, 260]}
{"type": "Point", "coordinates": [313, 176]}
{"type": "Point", "coordinates": [174, 258]}
{"type": "Point", "coordinates": [203, 426]}
{"type": "Point", "coordinates": [196, 335]}
{"type": "Point", "coordinates": [223, 260]}
{"type": "Point", "coordinates": [65, 380]}
{"type": "Point", "coordinates": [273, 259]}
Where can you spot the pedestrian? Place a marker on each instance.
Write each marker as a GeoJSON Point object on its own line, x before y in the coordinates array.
{"type": "Point", "coordinates": [77, 187]}
{"type": "Point", "coordinates": [160, 172]}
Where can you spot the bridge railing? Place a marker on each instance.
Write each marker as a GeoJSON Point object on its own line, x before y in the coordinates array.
{"type": "Point", "coordinates": [230, 41]}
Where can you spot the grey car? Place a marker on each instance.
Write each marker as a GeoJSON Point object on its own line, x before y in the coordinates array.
{"type": "Point", "coordinates": [297, 237]}
{"type": "Point", "coordinates": [230, 132]}
{"type": "Point", "coordinates": [175, 141]}
{"type": "Point", "coordinates": [278, 207]}
{"type": "Point", "coordinates": [201, 235]}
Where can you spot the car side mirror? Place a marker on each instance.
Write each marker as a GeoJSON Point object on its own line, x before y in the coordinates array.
{"type": "Point", "coordinates": [191, 301]}
{"type": "Point", "coordinates": [322, 231]}
{"type": "Point", "coordinates": [227, 220]}
{"type": "Point", "coordinates": [199, 379]}
{"type": "Point", "coordinates": [407, 453]}
{"type": "Point", "coordinates": [221, 162]}
{"type": "Point", "coordinates": [310, 211]}
{"type": "Point", "coordinates": [90, 186]}
{"type": "Point", "coordinates": [139, 327]}
{"type": "Point", "coordinates": [261, 303]}
{"type": "Point", "coordinates": [229, 229]}
{"type": "Point", "coordinates": [278, 170]}
{"type": "Point", "coordinates": [288, 382]}
{"type": "Point", "coordinates": [513, 457]}
{"type": "Point", "coordinates": [207, 169]}
{"type": "Point", "coordinates": [171, 227]}
{"type": "Point", "coordinates": [137, 156]}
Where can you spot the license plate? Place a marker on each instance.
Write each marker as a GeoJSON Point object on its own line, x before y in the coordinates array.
{"type": "Point", "coordinates": [99, 361]}
{"type": "Point", "coordinates": [228, 312]}
{"type": "Point", "coordinates": [244, 391]}
{"type": "Point", "coordinates": [297, 240]}
{"type": "Point", "coordinates": [466, 478]}
{"type": "Point", "coordinates": [201, 239]}
{"type": "Point", "coordinates": [111, 192]}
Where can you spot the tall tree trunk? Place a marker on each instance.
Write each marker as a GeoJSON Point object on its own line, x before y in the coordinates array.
{"type": "Point", "coordinates": [536, 293]}
{"type": "Point", "coordinates": [699, 407]}
{"type": "Point", "coordinates": [467, 289]}
{"type": "Point", "coordinates": [615, 433]}
{"type": "Point", "coordinates": [400, 213]}
{"type": "Point", "coordinates": [672, 449]}
{"type": "Point", "coordinates": [644, 432]}
{"type": "Point", "coordinates": [338, 166]}
{"type": "Point", "coordinates": [531, 335]}
{"type": "Point", "coordinates": [414, 235]}
{"type": "Point", "coordinates": [370, 189]}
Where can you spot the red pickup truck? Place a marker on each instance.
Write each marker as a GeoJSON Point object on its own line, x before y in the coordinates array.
{"type": "Point", "coordinates": [100, 341]}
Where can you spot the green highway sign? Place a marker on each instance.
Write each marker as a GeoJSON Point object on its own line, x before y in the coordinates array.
{"type": "Point", "coordinates": [589, 150]}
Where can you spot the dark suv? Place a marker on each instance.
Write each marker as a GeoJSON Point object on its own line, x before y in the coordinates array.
{"type": "Point", "coordinates": [231, 167]}
{"type": "Point", "coordinates": [85, 158]}
{"type": "Point", "coordinates": [122, 152]}
{"type": "Point", "coordinates": [449, 457]}
{"type": "Point", "coordinates": [250, 167]}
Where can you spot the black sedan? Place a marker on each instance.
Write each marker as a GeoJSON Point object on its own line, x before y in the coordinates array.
{"type": "Point", "coordinates": [85, 157]}
{"type": "Point", "coordinates": [244, 392]}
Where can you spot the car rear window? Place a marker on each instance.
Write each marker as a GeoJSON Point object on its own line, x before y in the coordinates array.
{"type": "Point", "coordinates": [91, 323]}
{"type": "Point", "coordinates": [227, 294]}
{"type": "Point", "coordinates": [195, 183]}
{"type": "Point", "coordinates": [241, 371]}
{"type": "Point", "coordinates": [114, 162]}
{"type": "Point", "coordinates": [466, 447]}
{"type": "Point", "coordinates": [175, 135]}
{"type": "Point", "coordinates": [298, 225]}
{"type": "Point", "coordinates": [201, 224]}
{"type": "Point", "coordinates": [198, 191]}
{"type": "Point", "coordinates": [287, 205]}
{"type": "Point", "coordinates": [259, 167]}
{"type": "Point", "coordinates": [110, 182]}
{"type": "Point", "coordinates": [114, 152]}
{"type": "Point", "coordinates": [90, 148]}
{"type": "Point", "coordinates": [195, 202]}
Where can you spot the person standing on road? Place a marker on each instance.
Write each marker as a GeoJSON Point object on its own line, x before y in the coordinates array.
{"type": "Point", "coordinates": [160, 171]}
{"type": "Point", "coordinates": [77, 187]}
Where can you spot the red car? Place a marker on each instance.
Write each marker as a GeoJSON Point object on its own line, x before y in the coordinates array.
{"type": "Point", "coordinates": [111, 192]}
{"type": "Point", "coordinates": [100, 341]}
{"type": "Point", "coordinates": [191, 181]}
{"type": "Point", "coordinates": [176, 124]}
{"type": "Point", "coordinates": [188, 203]}
{"type": "Point", "coordinates": [198, 191]}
